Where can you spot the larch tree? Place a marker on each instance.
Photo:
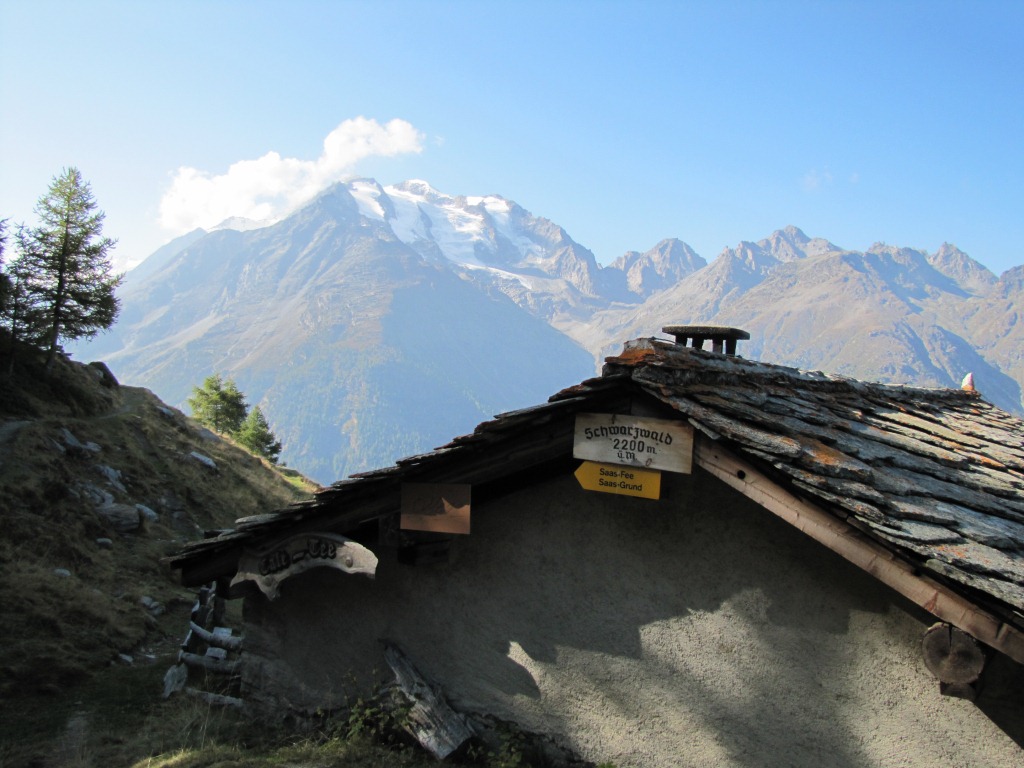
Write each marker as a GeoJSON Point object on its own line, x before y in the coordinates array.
{"type": "Point", "coordinates": [218, 404]}
{"type": "Point", "coordinates": [221, 406]}
{"type": "Point", "coordinates": [66, 263]}
{"type": "Point", "coordinates": [255, 435]}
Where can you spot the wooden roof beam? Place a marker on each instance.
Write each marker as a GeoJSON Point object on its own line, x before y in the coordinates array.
{"type": "Point", "coordinates": [845, 540]}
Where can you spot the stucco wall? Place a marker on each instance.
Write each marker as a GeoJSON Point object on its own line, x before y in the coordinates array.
{"type": "Point", "coordinates": [698, 630]}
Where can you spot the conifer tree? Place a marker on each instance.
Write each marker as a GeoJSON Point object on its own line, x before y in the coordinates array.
{"type": "Point", "coordinates": [20, 315]}
{"type": "Point", "coordinates": [66, 263]}
{"type": "Point", "coordinates": [255, 435]}
{"type": "Point", "coordinates": [20, 312]}
{"type": "Point", "coordinates": [218, 404]}
{"type": "Point", "coordinates": [5, 280]}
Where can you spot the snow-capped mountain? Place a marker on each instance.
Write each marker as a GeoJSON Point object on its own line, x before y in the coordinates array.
{"type": "Point", "coordinates": [379, 321]}
{"type": "Point", "coordinates": [358, 347]}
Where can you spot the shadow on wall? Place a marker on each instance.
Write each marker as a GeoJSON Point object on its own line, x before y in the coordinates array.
{"type": "Point", "coordinates": [636, 629]}
{"type": "Point", "coordinates": [1000, 697]}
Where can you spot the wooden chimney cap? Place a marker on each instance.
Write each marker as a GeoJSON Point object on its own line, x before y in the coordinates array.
{"type": "Point", "coordinates": [723, 338]}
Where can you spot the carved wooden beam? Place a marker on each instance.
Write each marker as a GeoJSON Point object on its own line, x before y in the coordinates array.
{"type": "Point", "coordinates": [269, 567]}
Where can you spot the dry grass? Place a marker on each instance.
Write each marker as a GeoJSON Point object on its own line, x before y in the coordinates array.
{"type": "Point", "coordinates": [63, 628]}
{"type": "Point", "coordinates": [67, 696]}
{"type": "Point", "coordinates": [118, 719]}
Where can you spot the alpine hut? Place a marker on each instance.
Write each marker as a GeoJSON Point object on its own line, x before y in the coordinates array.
{"type": "Point", "coordinates": [692, 559]}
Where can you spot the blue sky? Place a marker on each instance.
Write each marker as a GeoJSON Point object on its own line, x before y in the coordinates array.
{"type": "Point", "coordinates": [625, 123]}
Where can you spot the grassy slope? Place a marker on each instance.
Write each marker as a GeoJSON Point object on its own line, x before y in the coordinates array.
{"type": "Point", "coordinates": [63, 634]}
{"type": "Point", "coordinates": [68, 697]}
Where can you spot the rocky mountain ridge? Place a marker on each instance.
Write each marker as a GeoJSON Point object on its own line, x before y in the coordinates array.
{"type": "Point", "coordinates": [379, 321]}
{"type": "Point", "coordinates": [889, 314]}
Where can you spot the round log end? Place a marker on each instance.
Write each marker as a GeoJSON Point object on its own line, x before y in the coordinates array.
{"type": "Point", "coordinates": [951, 654]}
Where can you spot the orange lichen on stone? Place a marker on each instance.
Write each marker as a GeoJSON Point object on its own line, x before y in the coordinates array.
{"type": "Point", "coordinates": [632, 356]}
{"type": "Point", "coordinates": [954, 550]}
{"type": "Point", "coordinates": [986, 461]}
{"type": "Point", "coordinates": [832, 461]}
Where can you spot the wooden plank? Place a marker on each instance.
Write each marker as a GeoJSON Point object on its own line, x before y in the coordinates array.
{"type": "Point", "coordinates": [615, 438]}
{"type": "Point", "coordinates": [216, 639]}
{"type": "Point", "coordinates": [436, 507]}
{"type": "Point", "coordinates": [431, 720]}
{"type": "Point", "coordinates": [846, 541]}
{"type": "Point", "coordinates": [208, 663]}
{"type": "Point", "coordinates": [175, 679]}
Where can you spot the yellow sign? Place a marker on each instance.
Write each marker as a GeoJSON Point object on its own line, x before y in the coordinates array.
{"type": "Point", "coordinates": [614, 478]}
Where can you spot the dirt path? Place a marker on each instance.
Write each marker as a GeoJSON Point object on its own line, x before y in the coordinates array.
{"type": "Point", "coordinates": [131, 400]}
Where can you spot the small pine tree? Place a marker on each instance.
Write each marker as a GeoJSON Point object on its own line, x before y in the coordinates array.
{"type": "Point", "coordinates": [218, 404]}
{"type": "Point", "coordinates": [255, 435]}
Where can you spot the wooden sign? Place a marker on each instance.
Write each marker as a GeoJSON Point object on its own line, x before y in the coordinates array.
{"type": "Point", "coordinates": [297, 554]}
{"type": "Point", "coordinates": [615, 478]}
{"type": "Point", "coordinates": [637, 442]}
{"type": "Point", "coordinates": [436, 507]}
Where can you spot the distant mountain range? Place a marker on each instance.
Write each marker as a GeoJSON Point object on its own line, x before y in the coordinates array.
{"type": "Point", "coordinates": [378, 322]}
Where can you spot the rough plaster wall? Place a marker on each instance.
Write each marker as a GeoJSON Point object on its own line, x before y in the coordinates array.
{"type": "Point", "coordinates": [698, 630]}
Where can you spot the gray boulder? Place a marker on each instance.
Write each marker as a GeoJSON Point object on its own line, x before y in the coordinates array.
{"type": "Point", "coordinates": [113, 476]}
{"type": "Point", "coordinates": [74, 445]}
{"type": "Point", "coordinates": [206, 461]}
{"type": "Point", "coordinates": [98, 496]}
{"type": "Point", "coordinates": [123, 518]}
{"type": "Point", "coordinates": [148, 514]}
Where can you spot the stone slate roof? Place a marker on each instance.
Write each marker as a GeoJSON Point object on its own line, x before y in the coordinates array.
{"type": "Point", "coordinates": [933, 475]}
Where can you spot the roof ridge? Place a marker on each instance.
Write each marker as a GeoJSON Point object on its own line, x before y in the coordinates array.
{"type": "Point", "coordinates": [645, 353]}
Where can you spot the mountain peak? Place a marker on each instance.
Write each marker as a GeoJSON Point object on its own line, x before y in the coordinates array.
{"type": "Point", "coordinates": [416, 185]}
{"type": "Point", "coordinates": [965, 271]}
{"type": "Point", "coordinates": [662, 266]}
{"type": "Point", "coordinates": [242, 224]}
{"type": "Point", "coordinates": [791, 233]}
{"type": "Point", "coordinates": [419, 188]}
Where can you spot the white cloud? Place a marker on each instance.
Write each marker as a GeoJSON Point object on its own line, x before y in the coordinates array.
{"type": "Point", "coordinates": [271, 186]}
